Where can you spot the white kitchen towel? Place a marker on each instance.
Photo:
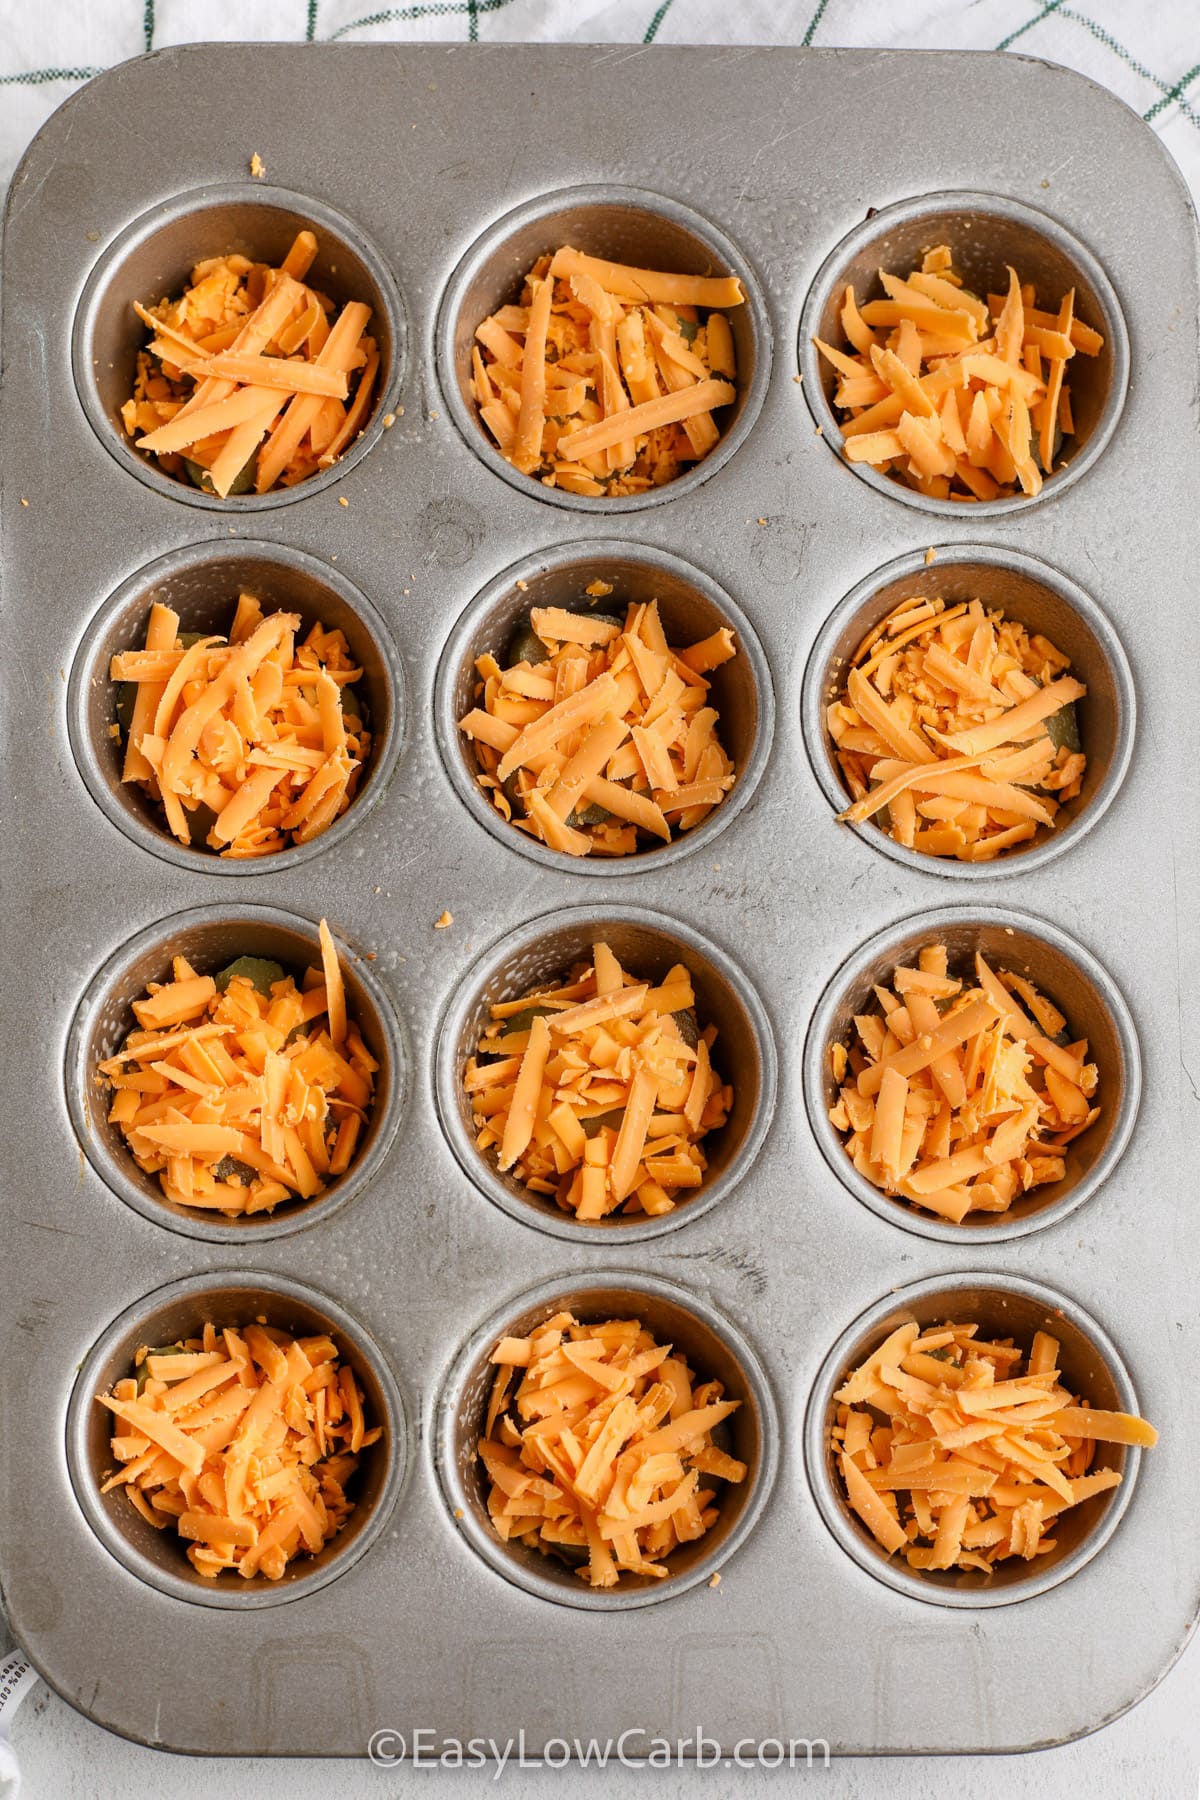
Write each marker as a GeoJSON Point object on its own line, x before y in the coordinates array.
{"type": "Point", "coordinates": [1148, 54]}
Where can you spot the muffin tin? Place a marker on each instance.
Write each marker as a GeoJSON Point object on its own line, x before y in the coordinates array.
{"type": "Point", "coordinates": [432, 175]}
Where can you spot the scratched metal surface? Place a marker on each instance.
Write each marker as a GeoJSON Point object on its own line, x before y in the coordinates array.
{"type": "Point", "coordinates": [424, 148]}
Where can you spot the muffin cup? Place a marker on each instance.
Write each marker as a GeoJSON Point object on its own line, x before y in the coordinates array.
{"type": "Point", "coordinates": [211, 937]}
{"type": "Point", "coordinates": [1060, 968]}
{"type": "Point", "coordinates": [987, 233]}
{"type": "Point", "coordinates": [692, 607]}
{"type": "Point", "coordinates": [201, 582]}
{"type": "Point", "coordinates": [713, 1348]}
{"type": "Point", "coordinates": [153, 257]}
{"type": "Point", "coordinates": [1003, 1306]}
{"type": "Point", "coordinates": [1038, 597]}
{"type": "Point", "coordinates": [647, 944]}
{"type": "Point", "coordinates": [621, 224]}
{"type": "Point", "coordinates": [180, 1310]}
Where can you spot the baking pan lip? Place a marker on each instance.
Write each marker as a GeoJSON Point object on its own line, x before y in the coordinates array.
{"type": "Point", "coordinates": [382, 762]}
{"type": "Point", "coordinates": [997, 556]}
{"type": "Point", "coordinates": [117, 1181]}
{"type": "Point", "coordinates": [461, 641]}
{"type": "Point", "coordinates": [490, 1548]}
{"type": "Point", "coordinates": [818, 1039]}
{"type": "Point", "coordinates": [903, 212]}
{"type": "Point", "coordinates": [645, 200]}
{"type": "Point", "coordinates": [248, 1598]}
{"type": "Point", "coordinates": [831, 1372]}
{"type": "Point", "coordinates": [447, 1077]}
{"type": "Point", "coordinates": [179, 205]}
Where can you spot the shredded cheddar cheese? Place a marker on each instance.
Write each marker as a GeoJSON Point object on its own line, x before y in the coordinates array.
{"type": "Point", "coordinates": [955, 730]}
{"type": "Point", "coordinates": [604, 379]}
{"type": "Point", "coordinates": [598, 737]}
{"type": "Point", "coordinates": [958, 397]}
{"type": "Point", "coordinates": [248, 380]}
{"type": "Point", "coordinates": [244, 1441]}
{"type": "Point", "coordinates": [243, 1091]}
{"type": "Point", "coordinates": [253, 740]}
{"type": "Point", "coordinates": [599, 1091]}
{"type": "Point", "coordinates": [959, 1454]}
{"type": "Point", "coordinates": [598, 1445]}
{"type": "Point", "coordinates": [953, 1096]}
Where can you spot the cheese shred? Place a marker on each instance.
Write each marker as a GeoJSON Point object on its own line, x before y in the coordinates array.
{"type": "Point", "coordinates": [599, 1448]}
{"type": "Point", "coordinates": [958, 1453]}
{"type": "Point", "coordinates": [960, 398]}
{"type": "Point", "coordinates": [960, 1096]}
{"type": "Point", "coordinates": [242, 1441]}
{"type": "Point", "coordinates": [597, 1093]}
{"type": "Point", "coordinates": [245, 1090]}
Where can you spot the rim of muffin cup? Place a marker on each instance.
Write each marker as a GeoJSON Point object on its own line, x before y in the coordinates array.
{"type": "Point", "coordinates": [713, 1346]}
{"type": "Point", "coordinates": [153, 257]}
{"type": "Point", "coordinates": [1055, 962]}
{"type": "Point", "coordinates": [179, 1309]}
{"type": "Point", "coordinates": [202, 581]}
{"type": "Point", "coordinates": [892, 238]}
{"type": "Point", "coordinates": [558, 576]}
{"type": "Point", "coordinates": [212, 937]}
{"type": "Point", "coordinates": [623, 224]}
{"type": "Point", "coordinates": [644, 942]}
{"type": "Point", "coordinates": [1033, 593]}
{"type": "Point", "coordinates": [1003, 1305]}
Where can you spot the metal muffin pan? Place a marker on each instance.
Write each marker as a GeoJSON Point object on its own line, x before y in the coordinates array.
{"type": "Point", "coordinates": [775, 894]}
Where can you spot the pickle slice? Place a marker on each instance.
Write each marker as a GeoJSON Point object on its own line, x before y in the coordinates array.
{"type": "Point", "coordinates": [143, 1370]}
{"type": "Point", "coordinates": [259, 971]}
{"type": "Point", "coordinates": [201, 478]}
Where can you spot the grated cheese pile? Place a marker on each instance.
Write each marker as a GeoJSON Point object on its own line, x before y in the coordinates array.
{"type": "Point", "coordinates": [956, 730]}
{"type": "Point", "coordinates": [598, 1092]}
{"type": "Point", "coordinates": [597, 1446]}
{"type": "Point", "coordinates": [958, 397]}
{"type": "Point", "coordinates": [954, 1097]}
{"type": "Point", "coordinates": [242, 1091]}
{"type": "Point", "coordinates": [249, 381]}
{"type": "Point", "coordinates": [959, 1453]}
{"type": "Point", "coordinates": [244, 1441]}
{"type": "Point", "coordinates": [254, 730]}
{"type": "Point", "coordinates": [598, 737]}
{"type": "Point", "coordinates": [604, 379]}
